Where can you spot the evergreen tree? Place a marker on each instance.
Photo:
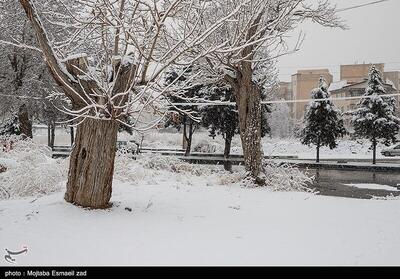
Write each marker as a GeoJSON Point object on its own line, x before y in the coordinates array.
{"type": "Point", "coordinates": [323, 122]}
{"type": "Point", "coordinates": [221, 120]}
{"type": "Point", "coordinates": [183, 120]}
{"type": "Point", "coordinates": [10, 126]}
{"type": "Point", "coordinates": [224, 120]}
{"type": "Point", "coordinates": [374, 117]}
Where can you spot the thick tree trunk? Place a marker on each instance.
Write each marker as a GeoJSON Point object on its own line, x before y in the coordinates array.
{"type": "Point", "coordinates": [374, 152]}
{"type": "Point", "coordinates": [25, 125]}
{"type": "Point", "coordinates": [92, 164]}
{"type": "Point", "coordinates": [227, 152]}
{"type": "Point", "coordinates": [92, 158]}
{"type": "Point", "coordinates": [248, 98]}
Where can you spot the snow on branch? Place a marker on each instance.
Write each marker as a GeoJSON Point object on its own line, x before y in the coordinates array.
{"type": "Point", "coordinates": [110, 57]}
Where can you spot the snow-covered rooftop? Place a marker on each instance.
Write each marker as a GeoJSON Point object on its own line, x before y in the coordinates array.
{"type": "Point", "coordinates": [338, 85]}
{"type": "Point", "coordinates": [389, 82]}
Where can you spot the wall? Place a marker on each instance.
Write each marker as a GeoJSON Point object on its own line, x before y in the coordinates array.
{"type": "Point", "coordinates": [357, 72]}
{"type": "Point", "coordinates": [303, 83]}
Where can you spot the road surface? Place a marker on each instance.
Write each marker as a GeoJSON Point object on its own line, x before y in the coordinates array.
{"type": "Point", "coordinates": [333, 183]}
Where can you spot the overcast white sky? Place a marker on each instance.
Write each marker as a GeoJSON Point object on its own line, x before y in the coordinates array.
{"type": "Point", "coordinates": [373, 37]}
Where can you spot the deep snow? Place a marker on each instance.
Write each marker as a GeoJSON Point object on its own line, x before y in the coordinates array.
{"type": "Point", "coordinates": [176, 224]}
{"type": "Point", "coordinates": [170, 213]}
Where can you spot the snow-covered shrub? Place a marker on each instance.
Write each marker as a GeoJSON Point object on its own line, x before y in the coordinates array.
{"type": "Point", "coordinates": [127, 169]}
{"type": "Point", "coordinates": [152, 165]}
{"type": "Point", "coordinates": [280, 177]}
{"type": "Point", "coordinates": [172, 164]}
{"type": "Point", "coordinates": [228, 178]}
{"type": "Point", "coordinates": [30, 169]}
{"type": "Point", "coordinates": [285, 177]}
{"type": "Point", "coordinates": [277, 177]}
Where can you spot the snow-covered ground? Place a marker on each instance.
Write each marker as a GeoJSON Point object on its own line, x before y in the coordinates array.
{"type": "Point", "coordinates": [373, 186]}
{"type": "Point", "coordinates": [166, 212]}
{"type": "Point", "coordinates": [272, 146]}
{"type": "Point", "coordinates": [345, 149]}
{"type": "Point", "coordinates": [199, 224]}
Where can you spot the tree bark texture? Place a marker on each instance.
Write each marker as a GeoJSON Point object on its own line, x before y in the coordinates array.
{"type": "Point", "coordinates": [25, 124]}
{"type": "Point", "coordinates": [92, 158]}
{"type": "Point", "coordinates": [248, 98]}
{"type": "Point", "coordinates": [92, 164]}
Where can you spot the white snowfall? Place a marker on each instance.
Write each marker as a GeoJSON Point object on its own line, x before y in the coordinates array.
{"type": "Point", "coordinates": [167, 213]}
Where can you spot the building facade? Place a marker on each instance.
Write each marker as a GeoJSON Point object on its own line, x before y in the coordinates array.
{"type": "Point", "coordinates": [357, 72]}
{"type": "Point", "coordinates": [303, 82]}
{"type": "Point", "coordinates": [353, 80]}
{"type": "Point", "coordinates": [354, 90]}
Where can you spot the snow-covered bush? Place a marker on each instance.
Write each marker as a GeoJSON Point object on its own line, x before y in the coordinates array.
{"type": "Point", "coordinates": [127, 169]}
{"type": "Point", "coordinates": [285, 177]}
{"type": "Point", "coordinates": [151, 165]}
{"type": "Point", "coordinates": [30, 170]}
{"type": "Point", "coordinates": [278, 177]}
{"type": "Point", "coordinates": [172, 164]}
{"type": "Point", "coordinates": [229, 178]}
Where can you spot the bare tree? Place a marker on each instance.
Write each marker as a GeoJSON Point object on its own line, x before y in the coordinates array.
{"type": "Point", "coordinates": [252, 37]}
{"type": "Point", "coordinates": [25, 83]}
{"type": "Point", "coordinates": [129, 43]}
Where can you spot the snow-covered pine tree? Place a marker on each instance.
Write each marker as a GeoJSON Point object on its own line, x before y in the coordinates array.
{"type": "Point", "coordinates": [185, 113]}
{"type": "Point", "coordinates": [374, 118]}
{"type": "Point", "coordinates": [10, 126]}
{"type": "Point", "coordinates": [221, 120]}
{"type": "Point", "coordinates": [224, 120]}
{"type": "Point", "coordinates": [323, 122]}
